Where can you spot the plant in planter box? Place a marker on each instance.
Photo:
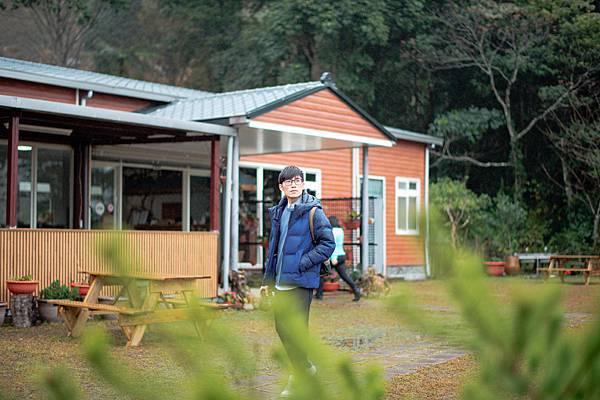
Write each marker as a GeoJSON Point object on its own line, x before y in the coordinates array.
{"type": "Point", "coordinates": [23, 284]}
{"type": "Point", "coordinates": [54, 291]}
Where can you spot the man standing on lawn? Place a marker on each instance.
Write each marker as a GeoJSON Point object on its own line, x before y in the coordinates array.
{"type": "Point", "coordinates": [294, 262]}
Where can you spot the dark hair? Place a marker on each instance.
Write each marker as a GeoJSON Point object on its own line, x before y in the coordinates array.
{"type": "Point", "coordinates": [334, 222]}
{"type": "Point", "coordinates": [289, 172]}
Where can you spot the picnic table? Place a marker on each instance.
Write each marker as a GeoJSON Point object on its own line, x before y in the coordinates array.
{"type": "Point", "coordinates": [144, 292]}
{"type": "Point", "coordinates": [566, 264]}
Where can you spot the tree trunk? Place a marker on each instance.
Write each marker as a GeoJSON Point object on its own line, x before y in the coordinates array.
{"type": "Point", "coordinates": [595, 232]}
{"type": "Point", "coordinates": [566, 177]}
{"type": "Point", "coordinates": [519, 176]}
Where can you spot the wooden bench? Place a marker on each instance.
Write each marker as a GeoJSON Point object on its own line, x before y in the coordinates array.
{"type": "Point", "coordinates": [591, 266]}
{"type": "Point", "coordinates": [96, 307]}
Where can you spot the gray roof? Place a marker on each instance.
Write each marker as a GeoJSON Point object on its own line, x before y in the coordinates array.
{"type": "Point", "coordinates": [102, 114]}
{"type": "Point", "coordinates": [232, 104]}
{"type": "Point", "coordinates": [414, 136]}
{"type": "Point", "coordinates": [87, 80]}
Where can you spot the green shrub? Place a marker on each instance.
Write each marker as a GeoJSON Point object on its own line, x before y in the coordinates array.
{"type": "Point", "coordinates": [56, 291]}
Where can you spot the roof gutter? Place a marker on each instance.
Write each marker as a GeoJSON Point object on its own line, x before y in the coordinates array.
{"type": "Point", "coordinates": [100, 114]}
{"type": "Point", "coordinates": [402, 134]}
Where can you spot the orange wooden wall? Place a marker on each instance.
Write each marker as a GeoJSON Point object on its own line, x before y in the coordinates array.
{"type": "Point", "coordinates": [405, 159]}
{"type": "Point", "coordinates": [59, 254]}
{"type": "Point", "coordinates": [325, 111]}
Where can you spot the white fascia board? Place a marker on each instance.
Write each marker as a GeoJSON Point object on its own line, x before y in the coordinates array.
{"type": "Point", "coordinates": [319, 133]}
{"type": "Point", "coordinates": [75, 84]}
{"type": "Point", "coordinates": [101, 114]}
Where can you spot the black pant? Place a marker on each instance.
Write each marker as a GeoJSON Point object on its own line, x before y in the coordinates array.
{"type": "Point", "coordinates": [341, 270]}
{"type": "Point", "coordinates": [298, 299]}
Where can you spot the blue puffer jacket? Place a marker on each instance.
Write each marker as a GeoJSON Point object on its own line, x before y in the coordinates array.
{"type": "Point", "coordinates": [301, 259]}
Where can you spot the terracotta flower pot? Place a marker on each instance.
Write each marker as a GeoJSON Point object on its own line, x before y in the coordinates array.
{"type": "Point", "coordinates": [81, 287]}
{"type": "Point", "coordinates": [495, 268]}
{"type": "Point", "coordinates": [512, 266]}
{"type": "Point", "coordinates": [22, 287]}
{"type": "Point", "coordinates": [331, 286]}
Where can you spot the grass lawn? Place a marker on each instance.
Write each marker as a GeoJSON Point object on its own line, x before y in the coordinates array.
{"type": "Point", "coordinates": [365, 330]}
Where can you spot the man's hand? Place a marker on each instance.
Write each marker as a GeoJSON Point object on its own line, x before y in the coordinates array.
{"type": "Point", "coordinates": [334, 261]}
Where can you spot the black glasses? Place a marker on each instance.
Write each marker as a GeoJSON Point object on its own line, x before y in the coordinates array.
{"type": "Point", "coordinates": [288, 182]}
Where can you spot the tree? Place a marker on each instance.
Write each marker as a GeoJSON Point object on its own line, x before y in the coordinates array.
{"type": "Point", "coordinates": [506, 43]}
{"type": "Point", "coordinates": [463, 129]}
{"type": "Point", "coordinates": [62, 26]}
{"type": "Point", "coordinates": [458, 204]}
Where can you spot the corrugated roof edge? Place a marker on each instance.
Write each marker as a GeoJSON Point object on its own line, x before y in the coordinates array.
{"type": "Point", "coordinates": [51, 107]}
{"type": "Point", "coordinates": [103, 88]}
{"type": "Point", "coordinates": [403, 134]}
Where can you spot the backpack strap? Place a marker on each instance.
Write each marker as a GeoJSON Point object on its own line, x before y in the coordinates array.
{"type": "Point", "coordinates": [311, 223]}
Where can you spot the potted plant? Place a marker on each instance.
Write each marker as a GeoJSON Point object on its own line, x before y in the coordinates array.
{"type": "Point", "coordinates": [23, 284]}
{"type": "Point", "coordinates": [81, 287]}
{"type": "Point", "coordinates": [352, 220]}
{"type": "Point", "coordinates": [54, 291]}
{"type": "Point", "coordinates": [331, 283]}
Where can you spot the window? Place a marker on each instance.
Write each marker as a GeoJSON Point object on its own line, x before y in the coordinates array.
{"type": "Point", "coordinates": [407, 206]}
{"type": "Point", "coordinates": [49, 205]}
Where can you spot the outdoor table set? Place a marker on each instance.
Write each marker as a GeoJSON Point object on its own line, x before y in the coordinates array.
{"type": "Point", "coordinates": [144, 292]}
{"type": "Point", "coordinates": [563, 264]}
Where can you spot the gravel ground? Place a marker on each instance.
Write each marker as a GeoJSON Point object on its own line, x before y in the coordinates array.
{"type": "Point", "coordinates": [440, 381]}
{"type": "Point", "coordinates": [363, 330]}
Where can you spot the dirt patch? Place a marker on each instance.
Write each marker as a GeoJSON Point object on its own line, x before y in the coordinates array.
{"type": "Point", "coordinates": [439, 381]}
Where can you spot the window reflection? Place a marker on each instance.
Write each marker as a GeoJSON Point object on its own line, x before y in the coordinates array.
{"type": "Point", "coordinates": [53, 188]}
{"type": "Point", "coordinates": [248, 225]}
{"type": "Point", "coordinates": [152, 199]}
{"type": "Point", "coordinates": [199, 203]}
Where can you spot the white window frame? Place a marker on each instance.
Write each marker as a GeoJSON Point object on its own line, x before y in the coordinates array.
{"type": "Point", "coordinates": [260, 168]}
{"type": "Point", "coordinates": [407, 193]}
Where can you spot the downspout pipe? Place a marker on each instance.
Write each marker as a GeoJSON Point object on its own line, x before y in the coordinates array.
{"type": "Point", "coordinates": [235, 203]}
{"type": "Point", "coordinates": [427, 261]}
{"type": "Point", "coordinates": [227, 217]}
{"type": "Point", "coordinates": [364, 248]}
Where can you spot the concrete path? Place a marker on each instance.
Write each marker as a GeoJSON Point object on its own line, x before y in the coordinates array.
{"type": "Point", "coordinates": [399, 361]}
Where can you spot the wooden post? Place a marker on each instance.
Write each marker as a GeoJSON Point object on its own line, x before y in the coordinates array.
{"type": "Point", "coordinates": [215, 181]}
{"type": "Point", "coordinates": [12, 179]}
{"type": "Point", "coordinates": [78, 185]}
{"type": "Point", "coordinates": [81, 171]}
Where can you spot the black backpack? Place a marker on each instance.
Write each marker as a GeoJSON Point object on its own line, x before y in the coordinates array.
{"type": "Point", "coordinates": [325, 265]}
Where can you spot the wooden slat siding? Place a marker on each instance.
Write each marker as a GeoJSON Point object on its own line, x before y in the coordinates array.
{"type": "Point", "coordinates": [32, 90]}
{"type": "Point", "coordinates": [335, 166]}
{"type": "Point", "coordinates": [59, 254]}
{"type": "Point", "coordinates": [325, 111]}
{"type": "Point", "coordinates": [405, 159]}
{"type": "Point", "coordinates": [121, 103]}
